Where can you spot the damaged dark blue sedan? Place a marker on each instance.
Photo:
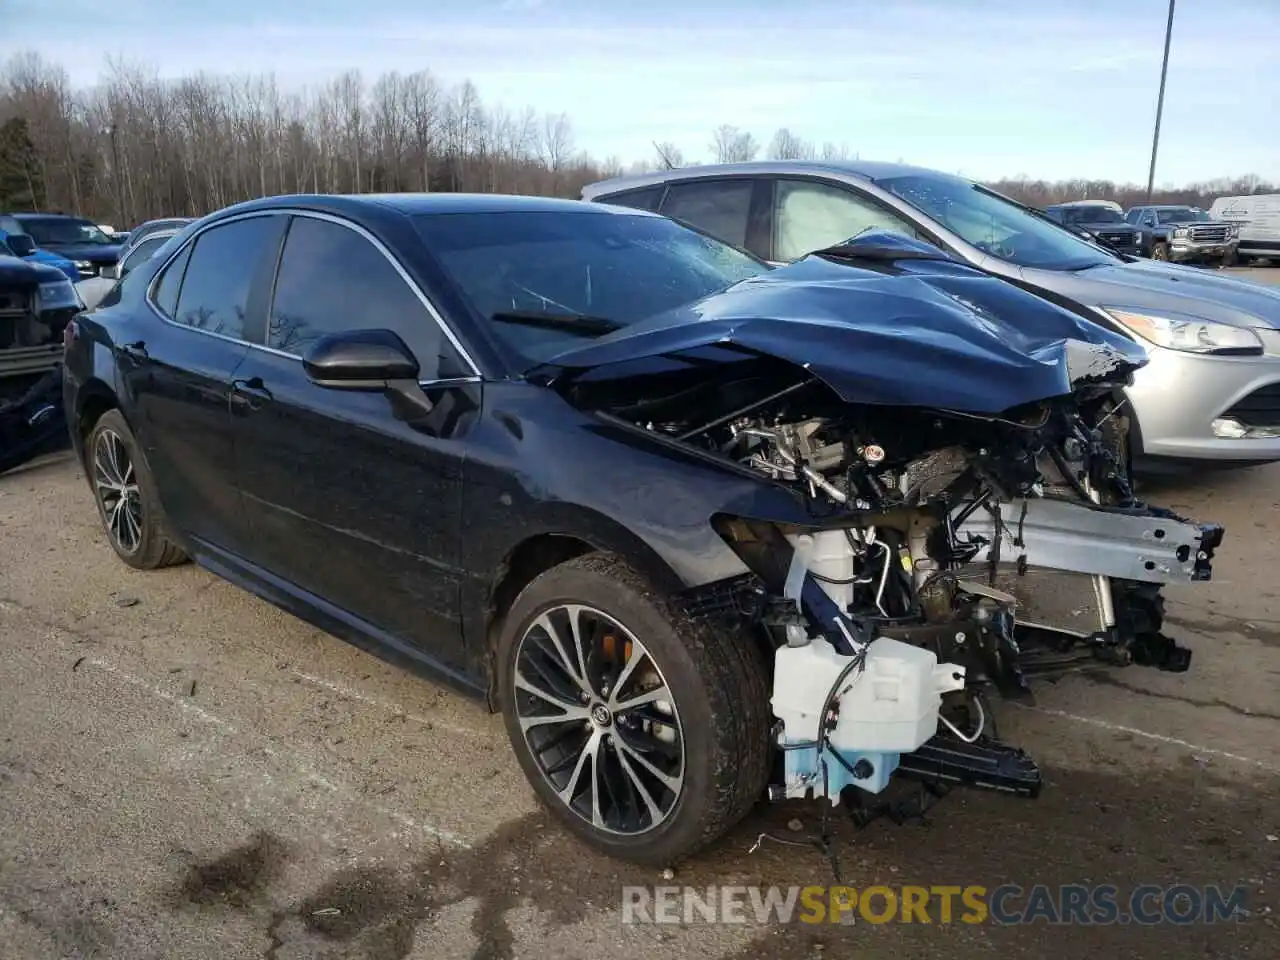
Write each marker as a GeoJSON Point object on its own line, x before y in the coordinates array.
{"type": "Point", "coordinates": [704, 531]}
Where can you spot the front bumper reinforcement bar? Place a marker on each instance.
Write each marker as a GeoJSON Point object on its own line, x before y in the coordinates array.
{"type": "Point", "coordinates": [1147, 545]}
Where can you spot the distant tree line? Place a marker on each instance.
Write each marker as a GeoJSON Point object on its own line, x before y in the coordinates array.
{"type": "Point", "coordinates": [1040, 193]}
{"type": "Point", "coordinates": [135, 146]}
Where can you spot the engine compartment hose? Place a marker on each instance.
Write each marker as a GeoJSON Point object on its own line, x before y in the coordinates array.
{"type": "Point", "coordinates": [968, 738]}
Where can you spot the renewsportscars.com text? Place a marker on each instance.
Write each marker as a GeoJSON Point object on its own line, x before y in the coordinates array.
{"type": "Point", "coordinates": [1008, 904]}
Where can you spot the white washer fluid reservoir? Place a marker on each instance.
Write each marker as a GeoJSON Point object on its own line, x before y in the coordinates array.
{"type": "Point", "coordinates": [887, 708]}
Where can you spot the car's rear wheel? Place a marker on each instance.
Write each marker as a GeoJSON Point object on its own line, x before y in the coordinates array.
{"type": "Point", "coordinates": [1160, 251]}
{"type": "Point", "coordinates": [126, 495]}
{"type": "Point", "coordinates": [646, 733]}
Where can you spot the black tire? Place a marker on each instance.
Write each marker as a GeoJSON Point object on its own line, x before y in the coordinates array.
{"type": "Point", "coordinates": [1159, 251]}
{"type": "Point", "coordinates": [1230, 259]}
{"type": "Point", "coordinates": [719, 690]}
{"type": "Point", "coordinates": [155, 546]}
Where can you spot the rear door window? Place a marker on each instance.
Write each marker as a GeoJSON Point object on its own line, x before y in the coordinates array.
{"type": "Point", "coordinates": [645, 198]}
{"type": "Point", "coordinates": [165, 296]}
{"type": "Point", "coordinates": [721, 208]}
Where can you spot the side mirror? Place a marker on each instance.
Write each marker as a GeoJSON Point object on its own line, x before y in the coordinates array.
{"type": "Point", "coordinates": [113, 271]}
{"type": "Point", "coordinates": [360, 360]}
{"type": "Point", "coordinates": [21, 244]}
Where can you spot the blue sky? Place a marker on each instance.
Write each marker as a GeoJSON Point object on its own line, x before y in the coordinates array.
{"type": "Point", "coordinates": [987, 88]}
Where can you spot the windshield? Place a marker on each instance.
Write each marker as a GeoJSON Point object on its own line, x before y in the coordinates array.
{"type": "Point", "coordinates": [1091, 215]}
{"type": "Point", "coordinates": [53, 231]}
{"type": "Point", "coordinates": [995, 225]}
{"type": "Point", "coordinates": [587, 273]}
{"type": "Point", "coordinates": [1181, 215]}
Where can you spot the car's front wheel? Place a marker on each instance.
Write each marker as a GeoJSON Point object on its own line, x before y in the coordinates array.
{"type": "Point", "coordinates": [645, 732]}
{"type": "Point", "coordinates": [126, 495]}
{"type": "Point", "coordinates": [1160, 251]}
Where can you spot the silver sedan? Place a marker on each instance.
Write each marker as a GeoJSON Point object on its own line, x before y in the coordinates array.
{"type": "Point", "coordinates": [1211, 391]}
{"type": "Point", "coordinates": [94, 289]}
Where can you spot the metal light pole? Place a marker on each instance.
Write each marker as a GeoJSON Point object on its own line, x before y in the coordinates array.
{"type": "Point", "coordinates": [1164, 70]}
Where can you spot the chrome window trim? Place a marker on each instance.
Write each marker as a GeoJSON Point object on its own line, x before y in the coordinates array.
{"type": "Point", "coordinates": [315, 215]}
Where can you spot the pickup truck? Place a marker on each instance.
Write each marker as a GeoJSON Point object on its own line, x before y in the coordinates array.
{"type": "Point", "coordinates": [1185, 233]}
{"type": "Point", "coordinates": [1099, 222]}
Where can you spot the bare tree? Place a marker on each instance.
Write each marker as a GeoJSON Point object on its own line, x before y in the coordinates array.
{"type": "Point", "coordinates": [611, 166]}
{"type": "Point", "coordinates": [390, 131]}
{"type": "Point", "coordinates": [348, 91]}
{"type": "Point", "coordinates": [731, 145]}
{"type": "Point", "coordinates": [787, 146]}
{"type": "Point", "coordinates": [464, 118]}
{"type": "Point", "coordinates": [831, 151]}
{"type": "Point", "coordinates": [422, 105]}
{"type": "Point", "coordinates": [556, 144]}
{"type": "Point", "coordinates": [669, 155]}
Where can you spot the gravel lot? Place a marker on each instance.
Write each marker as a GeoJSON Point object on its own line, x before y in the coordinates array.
{"type": "Point", "coordinates": [186, 771]}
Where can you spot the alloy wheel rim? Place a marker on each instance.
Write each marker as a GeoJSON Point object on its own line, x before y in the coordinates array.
{"type": "Point", "coordinates": [599, 720]}
{"type": "Point", "coordinates": [116, 486]}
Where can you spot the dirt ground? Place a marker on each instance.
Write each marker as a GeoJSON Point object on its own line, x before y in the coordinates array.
{"type": "Point", "coordinates": [186, 771]}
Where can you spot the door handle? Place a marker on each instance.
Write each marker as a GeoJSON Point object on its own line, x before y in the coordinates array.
{"type": "Point", "coordinates": [136, 350]}
{"type": "Point", "coordinates": [249, 394]}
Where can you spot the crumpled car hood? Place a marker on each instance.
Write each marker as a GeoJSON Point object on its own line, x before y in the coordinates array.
{"type": "Point", "coordinates": [894, 321]}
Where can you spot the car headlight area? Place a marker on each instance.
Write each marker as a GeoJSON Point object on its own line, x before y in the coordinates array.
{"type": "Point", "coordinates": [1187, 333]}
{"type": "Point", "coordinates": [59, 295]}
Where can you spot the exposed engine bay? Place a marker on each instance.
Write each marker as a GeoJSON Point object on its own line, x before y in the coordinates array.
{"type": "Point", "coordinates": [950, 556]}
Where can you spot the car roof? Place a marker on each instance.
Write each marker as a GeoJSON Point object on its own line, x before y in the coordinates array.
{"type": "Point", "coordinates": [415, 204]}
{"type": "Point", "coordinates": [862, 169]}
{"type": "Point", "coordinates": [160, 232]}
{"type": "Point", "coordinates": [162, 220]}
{"type": "Point", "coordinates": [1109, 204]}
{"type": "Point", "coordinates": [29, 215]}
